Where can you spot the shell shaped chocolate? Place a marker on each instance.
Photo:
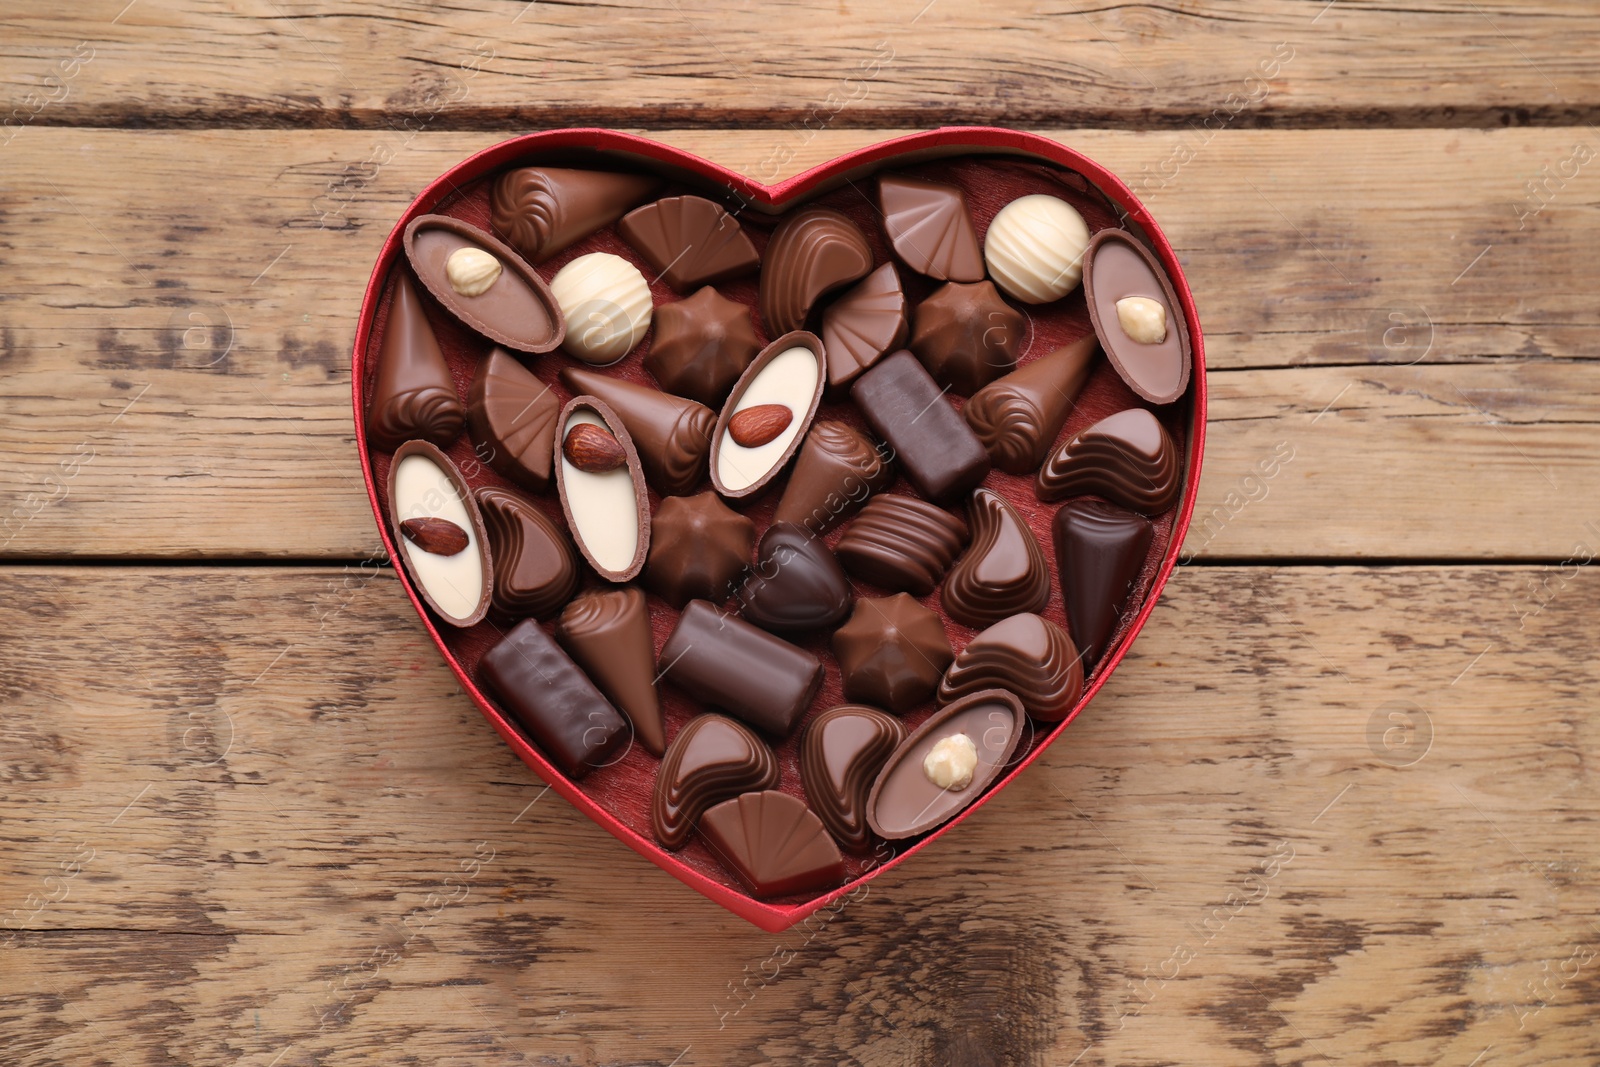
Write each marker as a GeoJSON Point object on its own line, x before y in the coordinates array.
{"type": "Point", "coordinates": [690, 241]}
{"type": "Point", "coordinates": [517, 311]}
{"type": "Point", "coordinates": [774, 843]}
{"type": "Point", "coordinates": [511, 415]}
{"type": "Point", "coordinates": [838, 469]}
{"type": "Point", "coordinates": [841, 753]}
{"type": "Point", "coordinates": [902, 543]}
{"type": "Point", "coordinates": [812, 252]}
{"type": "Point", "coordinates": [423, 483]}
{"type": "Point", "coordinates": [864, 323]}
{"type": "Point", "coordinates": [1026, 654]}
{"type": "Point", "coordinates": [541, 210]}
{"type": "Point", "coordinates": [1117, 266]}
{"type": "Point", "coordinates": [790, 372]}
{"type": "Point", "coordinates": [609, 512]}
{"type": "Point", "coordinates": [535, 567]}
{"type": "Point", "coordinates": [712, 758]}
{"type": "Point", "coordinates": [1018, 417]}
{"type": "Point", "coordinates": [1127, 457]}
{"type": "Point", "coordinates": [930, 228]}
{"type": "Point", "coordinates": [1003, 573]}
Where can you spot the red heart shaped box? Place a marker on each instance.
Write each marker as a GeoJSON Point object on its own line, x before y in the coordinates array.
{"type": "Point", "coordinates": [560, 147]}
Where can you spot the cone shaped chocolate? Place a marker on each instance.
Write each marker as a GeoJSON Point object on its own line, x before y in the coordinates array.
{"type": "Point", "coordinates": [673, 435]}
{"type": "Point", "coordinates": [838, 469]}
{"type": "Point", "coordinates": [1017, 417]}
{"type": "Point", "coordinates": [414, 397]}
{"type": "Point", "coordinates": [608, 634]}
{"type": "Point", "coordinates": [541, 210]}
{"type": "Point", "coordinates": [1100, 550]}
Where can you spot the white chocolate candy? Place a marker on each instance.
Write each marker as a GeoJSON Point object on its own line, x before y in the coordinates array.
{"type": "Point", "coordinates": [1034, 248]}
{"type": "Point", "coordinates": [606, 303]}
{"type": "Point", "coordinates": [950, 762]}
{"type": "Point", "coordinates": [603, 507]}
{"type": "Point", "coordinates": [1143, 319]}
{"type": "Point", "coordinates": [454, 583]}
{"type": "Point", "coordinates": [471, 271]}
{"type": "Point", "coordinates": [789, 379]}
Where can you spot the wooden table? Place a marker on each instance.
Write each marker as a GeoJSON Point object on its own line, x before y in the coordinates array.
{"type": "Point", "coordinates": [1339, 805]}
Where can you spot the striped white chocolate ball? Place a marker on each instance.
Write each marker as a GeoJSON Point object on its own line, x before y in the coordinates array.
{"type": "Point", "coordinates": [1034, 248]}
{"type": "Point", "coordinates": [606, 303]}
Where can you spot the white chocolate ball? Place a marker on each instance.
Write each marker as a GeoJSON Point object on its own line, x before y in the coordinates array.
{"type": "Point", "coordinates": [606, 303]}
{"type": "Point", "coordinates": [1034, 248]}
{"type": "Point", "coordinates": [1143, 320]}
{"type": "Point", "coordinates": [950, 762]}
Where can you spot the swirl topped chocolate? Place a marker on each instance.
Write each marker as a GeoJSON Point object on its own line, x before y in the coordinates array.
{"type": "Point", "coordinates": [1127, 457]}
{"type": "Point", "coordinates": [1027, 654]}
{"type": "Point", "coordinates": [711, 759]}
{"type": "Point", "coordinates": [607, 631]}
{"type": "Point", "coordinates": [541, 210]}
{"type": "Point", "coordinates": [673, 435]}
{"type": "Point", "coordinates": [1004, 571]}
{"type": "Point", "coordinates": [1017, 417]}
{"type": "Point", "coordinates": [413, 397]}
{"type": "Point", "coordinates": [838, 469]}
{"type": "Point", "coordinates": [840, 755]}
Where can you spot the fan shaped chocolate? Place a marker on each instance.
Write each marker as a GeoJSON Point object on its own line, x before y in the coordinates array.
{"type": "Point", "coordinates": [841, 753]}
{"type": "Point", "coordinates": [811, 253]}
{"type": "Point", "coordinates": [795, 586]}
{"type": "Point", "coordinates": [413, 397]}
{"type": "Point", "coordinates": [535, 567]}
{"type": "Point", "coordinates": [607, 632]}
{"type": "Point", "coordinates": [690, 241]}
{"type": "Point", "coordinates": [1100, 551]}
{"type": "Point", "coordinates": [902, 543]}
{"type": "Point", "coordinates": [1018, 417]}
{"type": "Point", "coordinates": [891, 652]}
{"type": "Point", "coordinates": [1003, 573]}
{"type": "Point", "coordinates": [512, 418]}
{"type": "Point", "coordinates": [1128, 458]}
{"type": "Point", "coordinates": [608, 511]}
{"type": "Point", "coordinates": [837, 470]}
{"type": "Point", "coordinates": [788, 374]}
{"type": "Point", "coordinates": [1136, 314]}
{"type": "Point", "coordinates": [863, 324]}
{"type": "Point", "coordinates": [930, 228]}
{"type": "Point", "coordinates": [701, 346]}
{"type": "Point", "coordinates": [672, 434]}
{"type": "Point", "coordinates": [424, 484]}
{"type": "Point", "coordinates": [541, 210]}
{"type": "Point", "coordinates": [774, 843]}
{"type": "Point", "coordinates": [967, 336]}
{"type": "Point", "coordinates": [515, 309]}
{"type": "Point", "coordinates": [1026, 654]}
{"type": "Point", "coordinates": [712, 758]}
{"type": "Point", "coordinates": [698, 548]}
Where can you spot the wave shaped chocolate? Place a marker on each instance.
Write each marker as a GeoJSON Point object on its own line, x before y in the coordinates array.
{"type": "Point", "coordinates": [542, 210]}
{"type": "Point", "coordinates": [711, 759]}
{"type": "Point", "coordinates": [1100, 550]}
{"type": "Point", "coordinates": [535, 567]}
{"type": "Point", "coordinates": [1026, 654]}
{"type": "Point", "coordinates": [838, 469]}
{"type": "Point", "coordinates": [930, 228]}
{"type": "Point", "coordinates": [413, 397]}
{"type": "Point", "coordinates": [774, 843]}
{"type": "Point", "coordinates": [512, 306]}
{"type": "Point", "coordinates": [891, 652]}
{"type": "Point", "coordinates": [1017, 417]}
{"type": "Point", "coordinates": [608, 633]}
{"type": "Point", "coordinates": [902, 543]}
{"type": "Point", "coordinates": [1128, 458]}
{"type": "Point", "coordinates": [812, 253]}
{"type": "Point", "coordinates": [512, 417]}
{"type": "Point", "coordinates": [1003, 573]}
{"type": "Point", "coordinates": [672, 434]}
{"type": "Point", "coordinates": [1136, 314]}
{"type": "Point", "coordinates": [841, 753]}
{"type": "Point", "coordinates": [863, 324]}
{"type": "Point", "coordinates": [690, 241]}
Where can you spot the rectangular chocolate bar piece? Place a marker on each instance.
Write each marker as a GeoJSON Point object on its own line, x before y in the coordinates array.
{"type": "Point", "coordinates": [721, 659]}
{"type": "Point", "coordinates": [936, 448]}
{"type": "Point", "coordinates": [552, 699]}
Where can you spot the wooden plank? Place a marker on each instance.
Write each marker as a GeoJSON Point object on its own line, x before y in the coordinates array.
{"type": "Point", "coordinates": [900, 62]}
{"type": "Point", "coordinates": [1322, 812]}
{"type": "Point", "coordinates": [177, 365]}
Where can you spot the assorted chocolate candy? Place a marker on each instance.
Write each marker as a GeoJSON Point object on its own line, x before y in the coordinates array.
{"type": "Point", "coordinates": [722, 473]}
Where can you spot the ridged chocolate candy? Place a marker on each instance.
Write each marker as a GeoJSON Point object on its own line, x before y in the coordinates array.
{"type": "Point", "coordinates": [1017, 417]}
{"type": "Point", "coordinates": [535, 567]}
{"type": "Point", "coordinates": [863, 324]}
{"type": "Point", "coordinates": [673, 435]}
{"type": "Point", "coordinates": [413, 397]}
{"type": "Point", "coordinates": [711, 759]}
{"type": "Point", "coordinates": [930, 228]}
{"type": "Point", "coordinates": [1026, 654]}
{"type": "Point", "coordinates": [690, 241]}
{"type": "Point", "coordinates": [774, 843]}
{"type": "Point", "coordinates": [967, 336]}
{"type": "Point", "coordinates": [795, 586]}
{"type": "Point", "coordinates": [1100, 550]}
{"type": "Point", "coordinates": [1004, 571]}
{"type": "Point", "coordinates": [512, 418]}
{"type": "Point", "coordinates": [541, 210]}
{"type": "Point", "coordinates": [812, 252]}
{"type": "Point", "coordinates": [701, 346]}
{"type": "Point", "coordinates": [1128, 458]}
{"type": "Point", "coordinates": [902, 543]}
{"type": "Point", "coordinates": [608, 633]}
{"type": "Point", "coordinates": [837, 470]}
{"type": "Point", "coordinates": [698, 549]}
{"type": "Point", "coordinates": [891, 652]}
{"type": "Point", "coordinates": [841, 753]}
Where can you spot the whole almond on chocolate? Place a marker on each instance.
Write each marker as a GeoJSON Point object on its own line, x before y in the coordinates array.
{"type": "Point", "coordinates": [593, 449]}
{"type": "Point", "coordinates": [440, 537]}
{"type": "Point", "coordinates": [756, 426]}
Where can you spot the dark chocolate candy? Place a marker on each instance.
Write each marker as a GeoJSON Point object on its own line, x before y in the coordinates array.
{"type": "Point", "coordinates": [1018, 417]}
{"type": "Point", "coordinates": [837, 470]}
{"type": "Point", "coordinates": [413, 397]}
{"type": "Point", "coordinates": [607, 512]}
{"type": "Point", "coordinates": [904, 802]}
{"type": "Point", "coordinates": [1100, 550]}
{"type": "Point", "coordinates": [608, 633]}
{"type": "Point", "coordinates": [1115, 267]}
{"type": "Point", "coordinates": [701, 346]}
{"type": "Point", "coordinates": [1026, 654]}
{"type": "Point", "coordinates": [930, 228]}
{"type": "Point", "coordinates": [795, 586]}
{"type": "Point", "coordinates": [967, 336]}
{"type": "Point", "coordinates": [690, 241]}
{"type": "Point", "coordinates": [1128, 458]}
{"type": "Point", "coordinates": [841, 753]}
{"type": "Point", "coordinates": [891, 652]}
{"type": "Point", "coordinates": [545, 692]}
{"type": "Point", "coordinates": [902, 543]}
{"type": "Point", "coordinates": [1004, 571]}
{"type": "Point", "coordinates": [698, 548]}
{"type": "Point", "coordinates": [672, 434]}
{"type": "Point", "coordinates": [425, 484]}
{"type": "Point", "coordinates": [512, 417]}
{"type": "Point", "coordinates": [812, 252]}
{"type": "Point", "coordinates": [517, 310]}
{"type": "Point", "coordinates": [863, 324]}
{"type": "Point", "coordinates": [712, 758]}
{"type": "Point", "coordinates": [541, 210]}
{"type": "Point", "coordinates": [937, 450]}
{"type": "Point", "coordinates": [535, 567]}
{"type": "Point", "coordinates": [788, 372]}
{"type": "Point", "coordinates": [774, 843]}
{"type": "Point", "coordinates": [720, 659]}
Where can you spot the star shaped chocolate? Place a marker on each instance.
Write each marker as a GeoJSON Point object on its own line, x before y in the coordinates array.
{"type": "Point", "coordinates": [967, 336]}
{"type": "Point", "coordinates": [892, 652]}
{"type": "Point", "coordinates": [698, 547]}
{"type": "Point", "coordinates": [701, 346]}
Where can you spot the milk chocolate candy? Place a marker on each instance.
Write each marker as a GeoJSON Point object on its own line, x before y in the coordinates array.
{"type": "Point", "coordinates": [841, 753]}
{"type": "Point", "coordinates": [711, 759]}
{"type": "Point", "coordinates": [606, 505]}
{"type": "Point", "coordinates": [1018, 417]}
{"type": "Point", "coordinates": [1136, 314]}
{"type": "Point", "coordinates": [424, 484]}
{"type": "Point", "coordinates": [811, 253]}
{"type": "Point", "coordinates": [905, 801]}
{"type": "Point", "coordinates": [535, 567]}
{"type": "Point", "coordinates": [512, 418]}
{"type": "Point", "coordinates": [414, 397]}
{"type": "Point", "coordinates": [1100, 551]}
{"type": "Point", "coordinates": [608, 633]}
{"type": "Point", "coordinates": [767, 415]}
{"type": "Point", "coordinates": [936, 449]}
{"type": "Point", "coordinates": [672, 434]}
{"type": "Point", "coordinates": [795, 586]}
{"type": "Point", "coordinates": [690, 241]}
{"type": "Point", "coordinates": [930, 228]}
{"type": "Point", "coordinates": [863, 324]}
{"type": "Point", "coordinates": [483, 283]}
{"type": "Point", "coordinates": [542, 210]}
{"type": "Point", "coordinates": [891, 652]}
{"type": "Point", "coordinates": [774, 843]}
{"type": "Point", "coordinates": [837, 470]}
{"type": "Point", "coordinates": [701, 346]}
{"type": "Point", "coordinates": [698, 549]}
{"type": "Point", "coordinates": [1128, 458]}
{"type": "Point", "coordinates": [1026, 654]}
{"type": "Point", "coordinates": [1004, 571]}
{"type": "Point", "coordinates": [902, 543]}
{"type": "Point", "coordinates": [550, 698]}
{"type": "Point", "coordinates": [967, 336]}
{"type": "Point", "coordinates": [722, 660]}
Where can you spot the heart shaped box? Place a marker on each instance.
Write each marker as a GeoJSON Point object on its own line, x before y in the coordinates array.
{"type": "Point", "coordinates": [559, 147]}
